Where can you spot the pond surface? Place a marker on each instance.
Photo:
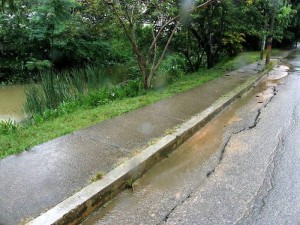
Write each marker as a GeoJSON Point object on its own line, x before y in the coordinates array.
{"type": "Point", "coordinates": [12, 99]}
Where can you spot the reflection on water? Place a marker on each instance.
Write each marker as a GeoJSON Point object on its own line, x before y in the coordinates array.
{"type": "Point", "coordinates": [12, 98]}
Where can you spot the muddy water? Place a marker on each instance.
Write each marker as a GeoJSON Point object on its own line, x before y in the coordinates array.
{"type": "Point", "coordinates": [12, 98]}
{"type": "Point", "coordinates": [171, 180]}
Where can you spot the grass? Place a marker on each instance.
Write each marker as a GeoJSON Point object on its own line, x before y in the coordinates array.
{"type": "Point", "coordinates": [68, 119]}
{"type": "Point", "coordinates": [7, 127]}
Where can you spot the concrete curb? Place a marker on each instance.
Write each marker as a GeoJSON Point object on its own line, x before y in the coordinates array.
{"type": "Point", "coordinates": [76, 208]}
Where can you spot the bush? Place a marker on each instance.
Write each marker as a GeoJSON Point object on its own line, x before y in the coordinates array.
{"type": "Point", "coordinates": [107, 94]}
{"type": "Point", "coordinates": [170, 70]}
{"type": "Point", "coordinates": [232, 43]}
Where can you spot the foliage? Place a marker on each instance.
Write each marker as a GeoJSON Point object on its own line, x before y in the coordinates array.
{"type": "Point", "coordinates": [10, 4]}
{"type": "Point", "coordinates": [8, 127]}
{"type": "Point", "coordinates": [75, 34]}
{"type": "Point", "coordinates": [214, 30]}
{"type": "Point", "coordinates": [172, 68]}
{"type": "Point", "coordinates": [63, 32]}
{"type": "Point", "coordinates": [258, 20]}
{"type": "Point", "coordinates": [39, 65]}
{"type": "Point", "coordinates": [186, 44]}
{"type": "Point", "coordinates": [232, 43]}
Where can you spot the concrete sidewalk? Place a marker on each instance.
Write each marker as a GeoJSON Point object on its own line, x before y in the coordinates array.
{"type": "Point", "coordinates": [37, 180]}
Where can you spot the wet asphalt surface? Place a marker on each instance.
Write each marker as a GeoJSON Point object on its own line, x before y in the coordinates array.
{"type": "Point", "coordinates": [242, 168]}
{"type": "Point", "coordinates": [258, 181]}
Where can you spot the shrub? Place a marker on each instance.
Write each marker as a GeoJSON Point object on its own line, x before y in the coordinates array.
{"type": "Point", "coordinates": [7, 127]}
{"type": "Point", "coordinates": [170, 70]}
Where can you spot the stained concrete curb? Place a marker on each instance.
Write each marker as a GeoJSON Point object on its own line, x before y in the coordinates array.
{"type": "Point", "coordinates": [76, 208]}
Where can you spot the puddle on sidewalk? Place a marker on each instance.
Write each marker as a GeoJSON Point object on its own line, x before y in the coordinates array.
{"type": "Point", "coordinates": [169, 182]}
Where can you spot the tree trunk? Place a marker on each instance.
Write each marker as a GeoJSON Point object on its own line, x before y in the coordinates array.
{"type": "Point", "coordinates": [270, 39]}
{"type": "Point", "coordinates": [209, 57]}
{"type": "Point", "coordinates": [268, 55]}
{"type": "Point", "coordinates": [262, 47]}
{"type": "Point", "coordinates": [146, 83]}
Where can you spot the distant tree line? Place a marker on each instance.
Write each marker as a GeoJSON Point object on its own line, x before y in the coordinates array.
{"type": "Point", "coordinates": [58, 35]}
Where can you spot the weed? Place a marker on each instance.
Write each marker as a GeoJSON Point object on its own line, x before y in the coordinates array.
{"type": "Point", "coordinates": [269, 66]}
{"type": "Point", "coordinates": [76, 79]}
{"type": "Point", "coordinates": [8, 126]}
{"type": "Point", "coordinates": [129, 183]}
{"type": "Point", "coordinates": [165, 154]}
{"type": "Point", "coordinates": [169, 131]}
{"type": "Point", "coordinates": [25, 221]}
{"type": "Point", "coordinates": [93, 78]}
{"type": "Point", "coordinates": [98, 176]}
{"type": "Point", "coordinates": [153, 141]}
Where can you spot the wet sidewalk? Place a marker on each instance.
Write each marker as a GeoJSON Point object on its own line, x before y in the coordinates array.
{"type": "Point", "coordinates": [36, 180]}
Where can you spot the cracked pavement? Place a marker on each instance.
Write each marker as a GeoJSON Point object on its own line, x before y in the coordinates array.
{"type": "Point", "coordinates": [258, 180]}
{"type": "Point", "coordinates": [242, 168]}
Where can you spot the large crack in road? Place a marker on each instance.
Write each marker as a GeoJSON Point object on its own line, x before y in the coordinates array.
{"type": "Point", "coordinates": [259, 201]}
{"type": "Point", "coordinates": [249, 127]}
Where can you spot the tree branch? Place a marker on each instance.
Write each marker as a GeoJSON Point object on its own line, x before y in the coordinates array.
{"type": "Point", "coordinates": [172, 20]}
{"type": "Point", "coordinates": [165, 49]}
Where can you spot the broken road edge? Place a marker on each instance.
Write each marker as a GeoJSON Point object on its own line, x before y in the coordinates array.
{"type": "Point", "coordinates": [79, 206]}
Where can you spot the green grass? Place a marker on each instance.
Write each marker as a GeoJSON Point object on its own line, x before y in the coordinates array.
{"type": "Point", "coordinates": [68, 119]}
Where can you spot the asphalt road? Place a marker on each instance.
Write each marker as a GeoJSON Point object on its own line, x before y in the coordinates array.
{"type": "Point", "coordinates": [258, 180]}
{"type": "Point", "coordinates": [242, 168]}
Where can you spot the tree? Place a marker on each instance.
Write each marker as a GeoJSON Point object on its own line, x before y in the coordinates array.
{"type": "Point", "coordinates": [256, 21]}
{"type": "Point", "coordinates": [216, 29]}
{"type": "Point", "coordinates": [267, 18]}
{"type": "Point", "coordinates": [15, 47]}
{"type": "Point", "coordinates": [281, 14]}
{"type": "Point", "coordinates": [186, 44]}
{"type": "Point", "coordinates": [295, 25]}
{"type": "Point", "coordinates": [49, 23]}
{"type": "Point", "coordinates": [161, 18]}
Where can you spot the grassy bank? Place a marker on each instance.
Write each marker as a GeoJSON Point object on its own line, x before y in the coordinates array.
{"type": "Point", "coordinates": [71, 116]}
